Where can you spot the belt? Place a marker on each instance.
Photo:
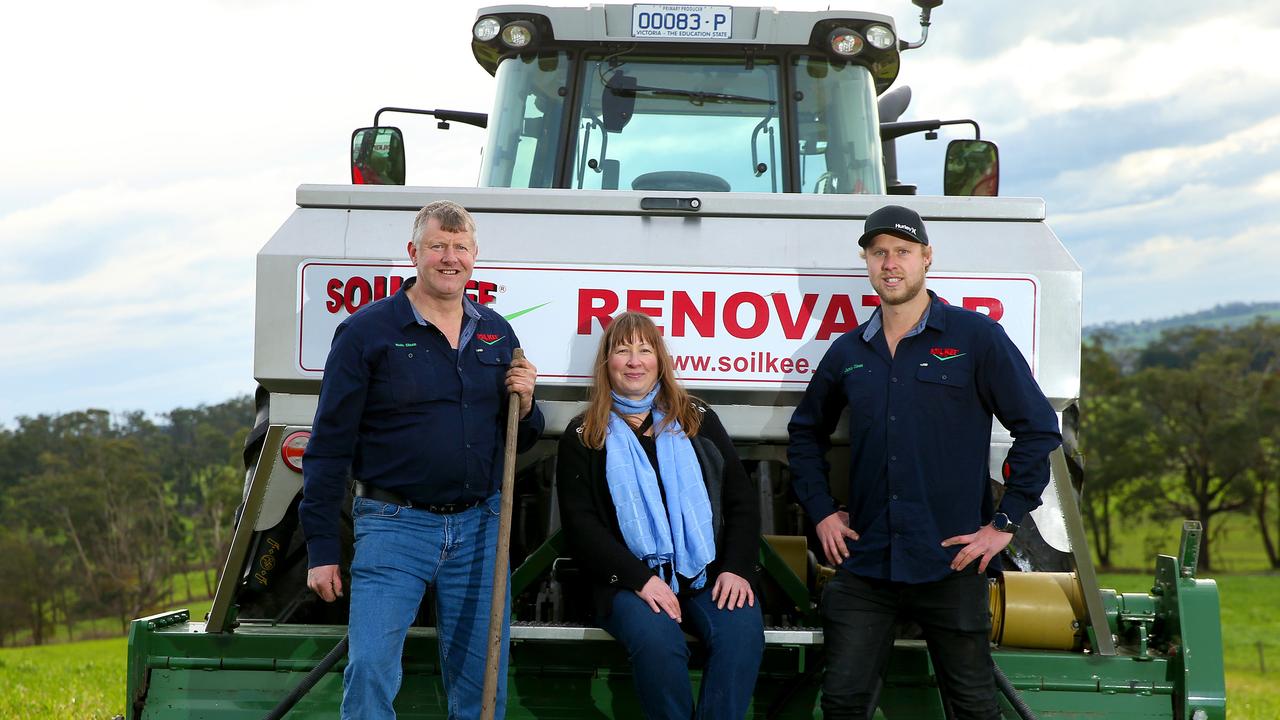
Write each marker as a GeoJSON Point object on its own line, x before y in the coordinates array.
{"type": "Point", "coordinates": [377, 494]}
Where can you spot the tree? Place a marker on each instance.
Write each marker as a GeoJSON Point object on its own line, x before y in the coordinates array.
{"type": "Point", "coordinates": [1266, 502]}
{"type": "Point", "coordinates": [201, 449]}
{"type": "Point", "coordinates": [101, 499]}
{"type": "Point", "coordinates": [1202, 431]}
{"type": "Point", "coordinates": [1263, 339]}
{"type": "Point", "coordinates": [218, 489]}
{"type": "Point", "coordinates": [1114, 441]}
{"type": "Point", "coordinates": [28, 584]}
{"type": "Point", "coordinates": [99, 512]}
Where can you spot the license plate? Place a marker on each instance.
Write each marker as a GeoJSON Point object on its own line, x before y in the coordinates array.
{"type": "Point", "coordinates": [685, 22]}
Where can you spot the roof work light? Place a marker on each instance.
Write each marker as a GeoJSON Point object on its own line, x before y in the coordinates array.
{"type": "Point", "coordinates": [518, 34]}
{"type": "Point", "coordinates": [486, 29]}
{"type": "Point", "coordinates": [845, 42]}
{"type": "Point", "coordinates": [880, 37]}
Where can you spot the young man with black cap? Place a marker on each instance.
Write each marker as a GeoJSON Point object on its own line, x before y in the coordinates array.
{"type": "Point", "coordinates": [922, 380]}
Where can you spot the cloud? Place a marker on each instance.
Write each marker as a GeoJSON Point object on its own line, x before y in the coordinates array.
{"type": "Point", "coordinates": [153, 92]}
{"type": "Point", "coordinates": [1139, 175]}
{"type": "Point", "coordinates": [162, 315]}
{"type": "Point", "coordinates": [1269, 185]}
{"type": "Point", "coordinates": [1042, 75]}
{"type": "Point", "coordinates": [1210, 259]}
{"type": "Point", "coordinates": [1167, 275]}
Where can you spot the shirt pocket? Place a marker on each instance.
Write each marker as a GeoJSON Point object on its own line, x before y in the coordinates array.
{"type": "Point", "coordinates": [947, 376]}
{"type": "Point", "coordinates": [861, 395]}
{"type": "Point", "coordinates": [493, 363]}
{"type": "Point", "coordinates": [945, 387]}
{"type": "Point", "coordinates": [412, 376]}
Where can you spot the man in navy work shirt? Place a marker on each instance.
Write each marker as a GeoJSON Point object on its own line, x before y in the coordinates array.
{"type": "Point", "coordinates": [922, 380]}
{"type": "Point", "coordinates": [413, 405]}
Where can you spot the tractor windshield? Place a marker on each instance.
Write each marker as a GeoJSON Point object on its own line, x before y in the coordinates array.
{"type": "Point", "coordinates": [668, 124]}
{"type": "Point", "coordinates": [702, 124]}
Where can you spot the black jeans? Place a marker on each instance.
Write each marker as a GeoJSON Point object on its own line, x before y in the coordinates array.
{"type": "Point", "coordinates": [858, 616]}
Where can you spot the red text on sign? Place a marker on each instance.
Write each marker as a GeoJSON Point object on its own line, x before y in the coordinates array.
{"type": "Point", "coordinates": [354, 293]}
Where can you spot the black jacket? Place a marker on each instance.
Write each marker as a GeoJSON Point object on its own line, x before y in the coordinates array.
{"type": "Point", "coordinates": [591, 522]}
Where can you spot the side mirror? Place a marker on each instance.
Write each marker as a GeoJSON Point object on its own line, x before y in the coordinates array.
{"type": "Point", "coordinates": [377, 156]}
{"type": "Point", "coordinates": [972, 169]}
{"type": "Point", "coordinates": [618, 102]}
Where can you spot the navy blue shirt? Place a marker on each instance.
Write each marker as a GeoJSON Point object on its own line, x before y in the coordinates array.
{"type": "Point", "coordinates": [919, 439]}
{"type": "Point", "coordinates": [402, 410]}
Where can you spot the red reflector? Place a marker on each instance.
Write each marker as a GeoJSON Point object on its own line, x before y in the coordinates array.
{"type": "Point", "coordinates": [293, 447]}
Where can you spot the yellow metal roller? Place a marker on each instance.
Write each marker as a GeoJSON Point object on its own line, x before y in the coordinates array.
{"type": "Point", "coordinates": [1037, 610]}
{"type": "Point", "coordinates": [794, 551]}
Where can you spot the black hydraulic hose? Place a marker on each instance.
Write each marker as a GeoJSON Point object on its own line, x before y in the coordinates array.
{"type": "Point", "coordinates": [310, 680]}
{"type": "Point", "coordinates": [1013, 696]}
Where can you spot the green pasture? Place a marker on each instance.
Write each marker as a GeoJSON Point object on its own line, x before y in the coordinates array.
{"type": "Point", "coordinates": [67, 681]}
{"type": "Point", "coordinates": [1237, 544]}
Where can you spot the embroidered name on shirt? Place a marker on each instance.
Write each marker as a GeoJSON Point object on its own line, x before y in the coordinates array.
{"type": "Point", "coordinates": [489, 339]}
{"type": "Point", "coordinates": [850, 369]}
{"type": "Point", "coordinates": [945, 354]}
{"type": "Point", "coordinates": [406, 344]}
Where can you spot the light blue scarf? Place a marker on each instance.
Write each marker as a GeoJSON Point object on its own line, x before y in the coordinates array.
{"type": "Point", "coordinates": [679, 536]}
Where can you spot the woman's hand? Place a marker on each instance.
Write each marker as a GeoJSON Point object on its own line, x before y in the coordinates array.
{"type": "Point", "coordinates": [660, 598]}
{"type": "Point", "coordinates": [732, 590]}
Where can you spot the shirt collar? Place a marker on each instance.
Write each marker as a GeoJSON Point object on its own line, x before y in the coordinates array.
{"type": "Point", "coordinates": [409, 314]}
{"type": "Point", "coordinates": [930, 318]}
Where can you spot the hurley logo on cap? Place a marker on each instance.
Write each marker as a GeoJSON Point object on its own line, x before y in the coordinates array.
{"type": "Point", "coordinates": [894, 220]}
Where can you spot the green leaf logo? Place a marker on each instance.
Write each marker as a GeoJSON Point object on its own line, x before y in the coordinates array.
{"type": "Point", "coordinates": [526, 311]}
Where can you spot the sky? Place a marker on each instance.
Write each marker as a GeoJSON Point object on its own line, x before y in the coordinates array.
{"type": "Point", "coordinates": [151, 148]}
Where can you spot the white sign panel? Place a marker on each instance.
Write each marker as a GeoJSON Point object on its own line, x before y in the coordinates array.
{"type": "Point", "coordinates": [740, 328]}
{"type": "Point", "coordinates": [685, 22]}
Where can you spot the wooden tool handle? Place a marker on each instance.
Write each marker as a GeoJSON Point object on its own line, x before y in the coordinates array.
{"type": "Point", "coordinates": [497, 605]}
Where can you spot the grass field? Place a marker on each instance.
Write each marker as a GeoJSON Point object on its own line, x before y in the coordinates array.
{"type": "Point", "coordinates": [85, 680]}
{"type": "Point", "coordinates": [1237, 547]}
{"type": "Point", "coordinates": [68, 681]}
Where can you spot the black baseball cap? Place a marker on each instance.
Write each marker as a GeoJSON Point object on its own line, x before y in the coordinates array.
{"type": "Point", "coordinates": [894, 220]}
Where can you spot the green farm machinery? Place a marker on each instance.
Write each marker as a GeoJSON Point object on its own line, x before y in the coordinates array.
{"type": "Point", "coordinates": [709, 166]}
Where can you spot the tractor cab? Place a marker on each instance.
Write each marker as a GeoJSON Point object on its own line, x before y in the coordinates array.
{"type": "Point", "coordinates": [688, 99]}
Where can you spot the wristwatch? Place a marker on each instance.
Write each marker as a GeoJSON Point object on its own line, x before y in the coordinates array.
{"type": "Point", "coordinates": [1002, 523]}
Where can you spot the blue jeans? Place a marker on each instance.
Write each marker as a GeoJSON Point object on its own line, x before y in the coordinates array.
{"type": "Point", "coordinates": [660, 656]}
{"type": "Point", "coordinates": [858, 616]}
{"type": "Point", "coordinates": [399, 553]}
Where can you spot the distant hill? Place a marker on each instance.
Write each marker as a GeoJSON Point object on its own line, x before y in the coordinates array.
{"type": "Point", "coordinates": [1133, 335]}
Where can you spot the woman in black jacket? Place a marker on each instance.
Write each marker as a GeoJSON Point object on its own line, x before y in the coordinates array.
{"type": "Point", "coordinates": [661, 514]}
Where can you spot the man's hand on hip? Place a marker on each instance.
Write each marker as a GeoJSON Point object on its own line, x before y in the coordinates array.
{"type": "Point", "coordinates": [326, 581]}
{"type": "Point", "coordinates": [985, 544]}
{"type": "Point", "coordinates": [520, 379]}
{"type": "Point", "coordinates": [832, 533]}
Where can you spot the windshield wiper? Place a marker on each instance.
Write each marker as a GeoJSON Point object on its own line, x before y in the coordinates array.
{"type": "Point", "coordinates": [698, 98]}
